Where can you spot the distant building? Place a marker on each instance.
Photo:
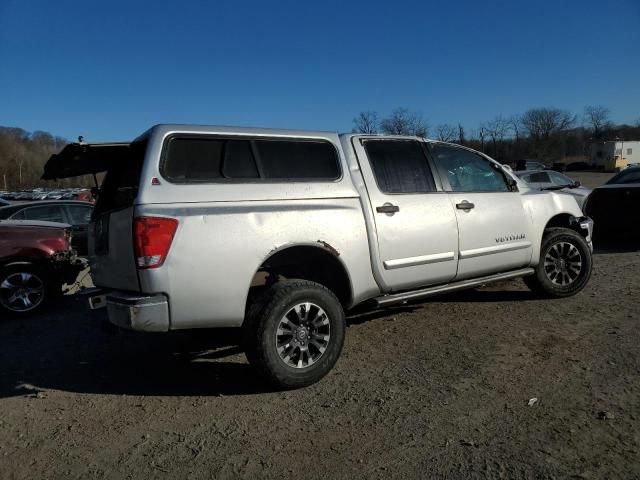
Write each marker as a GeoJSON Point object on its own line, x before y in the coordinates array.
{"type": "Point", "coordinates": [614, 155]}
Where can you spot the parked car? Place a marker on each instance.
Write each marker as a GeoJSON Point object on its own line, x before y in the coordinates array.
{"type": "Point", "coordinates": [551, 180]}
{"type": "Point", "coordinates": [279, 232]}
{"type": "Point", "coordinates": [578, 167]}
{"type": "Point", "coordinates": [77, 214]}
{"type": "Point", "coordinates": [36, 259]}
{"type": "Point", "coordinates": [614, 205]}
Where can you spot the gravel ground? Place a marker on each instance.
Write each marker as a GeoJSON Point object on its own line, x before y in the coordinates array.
{"type": "Point", "coordinates": [436, 390]}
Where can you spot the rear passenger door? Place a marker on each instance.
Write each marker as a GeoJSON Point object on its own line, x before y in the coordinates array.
{"type": "Point", "coordinates": [415, 224]}
{"type": "Point", "coordinates": [492, 223]}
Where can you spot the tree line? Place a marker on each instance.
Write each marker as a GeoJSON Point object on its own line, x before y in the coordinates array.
{"type": "Point", "coordinates": [22, 158]}
{"type": "Point", "coordinates": [547, 134]}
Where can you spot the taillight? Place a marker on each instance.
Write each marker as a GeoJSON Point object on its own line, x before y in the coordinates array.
{"type": "Point", "coordinates": [152, 237]}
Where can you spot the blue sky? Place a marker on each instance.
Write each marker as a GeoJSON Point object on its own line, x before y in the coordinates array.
{"type": "Point", "coordinates": [109, 70]}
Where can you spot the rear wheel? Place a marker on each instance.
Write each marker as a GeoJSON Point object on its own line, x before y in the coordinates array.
{"type": "Point", "coordinates": [565, 264]}
{"type": "Point", "coordinates": [294, 332]}
{"type": "Point", "coordinates": [24, 288]}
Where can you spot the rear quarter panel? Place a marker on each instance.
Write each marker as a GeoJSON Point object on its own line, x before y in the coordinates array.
{"type": "Point", "coordinates": [219, 247]}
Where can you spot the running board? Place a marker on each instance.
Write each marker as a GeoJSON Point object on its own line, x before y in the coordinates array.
{"type": "Point", "coordinates": [387, 300]}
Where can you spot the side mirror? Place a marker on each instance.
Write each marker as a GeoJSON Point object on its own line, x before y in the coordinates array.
{"type": "Point", "coordinates": [513, 185]}
{"type": "Point", "coordinates": [576, 183]}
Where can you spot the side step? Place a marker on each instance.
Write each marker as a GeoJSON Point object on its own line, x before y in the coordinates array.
{"type": "Point", "coordinates": [404, 297]}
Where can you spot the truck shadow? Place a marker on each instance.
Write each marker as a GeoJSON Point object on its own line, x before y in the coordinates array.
{"type": "Point", "coordinates": [67, 349]}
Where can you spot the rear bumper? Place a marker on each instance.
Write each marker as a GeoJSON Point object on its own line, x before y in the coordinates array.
{"type": "Point", "coordinates": [144, 313]}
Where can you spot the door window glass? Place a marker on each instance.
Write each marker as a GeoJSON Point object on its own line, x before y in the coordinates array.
{"type": "Point", "coordinates": [48, 213]}
{"type": "Point", "coordinates": [80, 215]}
{"type": "Point", "coordinates": [400, 166]}
{"type": "Point", "coordinates": [468, 171]}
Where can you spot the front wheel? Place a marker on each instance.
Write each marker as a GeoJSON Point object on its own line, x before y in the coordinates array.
{"type": "Point", "coordinates": [24, 288]}
{"type": "Point", "coordinates": [294, 332]}
{"type": "Point", "coordinates": [565, 264]}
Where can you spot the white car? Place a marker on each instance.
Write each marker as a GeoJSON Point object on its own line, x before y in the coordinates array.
{"type": "Point", "coordinates": [551, 180]}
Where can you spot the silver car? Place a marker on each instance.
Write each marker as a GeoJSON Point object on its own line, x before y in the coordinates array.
{"type": "Point", "coordinates": [279, 232]}
{"type": "Point", "coordinates": [551, 180]}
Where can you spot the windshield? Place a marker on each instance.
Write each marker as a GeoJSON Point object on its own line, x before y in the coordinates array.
{"type": "Point", "coordinates": [560, 179]}
{"type": "Point", "coordinates": [626, 176]}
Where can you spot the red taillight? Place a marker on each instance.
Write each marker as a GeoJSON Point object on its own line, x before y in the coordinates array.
{"type": "Point", "coordinates": [152, 237]}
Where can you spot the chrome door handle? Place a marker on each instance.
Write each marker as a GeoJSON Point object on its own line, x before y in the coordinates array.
{"type": "Point", "coordinates": [388, 208]}
{"type": "Point", "coordinates": [464, 205]}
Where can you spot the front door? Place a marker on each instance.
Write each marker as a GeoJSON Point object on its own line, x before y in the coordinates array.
{"type": "Point", "coordinates": [493, 226]}
{"type": "Point", "coordinates": [415, 224]}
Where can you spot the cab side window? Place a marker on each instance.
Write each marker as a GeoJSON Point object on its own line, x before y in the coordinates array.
{"type": "Point", "coordinates": [468, 171]}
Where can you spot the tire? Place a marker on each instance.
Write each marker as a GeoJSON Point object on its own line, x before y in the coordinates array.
{"type": "Point", "coordinates": [24, 289]}
{"type": "Point", "coordinates": [565, 264]}
{"type": "Point", "coordinates": [294, 332]}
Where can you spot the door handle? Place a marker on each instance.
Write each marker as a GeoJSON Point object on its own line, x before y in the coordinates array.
{"type": "Point", "coordinates": [464, 205]}
{"type": "Point", "coordinates": [388, 208]}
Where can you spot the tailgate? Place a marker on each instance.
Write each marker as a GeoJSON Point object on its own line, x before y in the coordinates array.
{"type": "Point", "coordinates": [110, 233]}
{"type": "Point", "coordinates": [111, 251]}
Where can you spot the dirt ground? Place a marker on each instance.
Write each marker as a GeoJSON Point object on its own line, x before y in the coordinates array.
{"type": "Point", "coordinates": [436, 390]}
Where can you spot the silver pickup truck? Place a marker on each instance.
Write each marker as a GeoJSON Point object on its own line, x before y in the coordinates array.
{"type": "Point", "coordinates": [280, 232]}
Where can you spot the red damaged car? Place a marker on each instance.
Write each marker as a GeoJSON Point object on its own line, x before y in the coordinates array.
{"type": "Point", "coordinates": [36, 259]}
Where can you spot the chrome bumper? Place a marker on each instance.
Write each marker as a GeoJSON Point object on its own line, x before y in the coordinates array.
{"type": "Point", "coordinates": [145, 313]}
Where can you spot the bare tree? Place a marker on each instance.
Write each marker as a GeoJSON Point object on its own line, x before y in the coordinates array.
{"type": "Point", "coordinates": [515, 122]}
{"type": "Point", "coordinates": [446, 132]}
{"type": "Point", "coordinates": [403, 122]}
{"type": "Point", "coordinates": [547, 129]}
{"type": "Point", "coordinates": [497, 129]}
{"type": "Point", "coordinates": [541, 123]}
{"type": "Point", "coordinates": [461, 138]}
{"type": "Point", "coordinates": [366, 122]}
{"type": "Point", "coordinates": [597, 118]}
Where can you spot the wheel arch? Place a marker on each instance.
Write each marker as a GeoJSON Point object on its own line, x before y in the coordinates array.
{"type": "Point", "coordinates": [565, 220]}
{"type": "Point", "coordinates": [317, 262]}
{"type": "Point", "coordinates": [38, 263]}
